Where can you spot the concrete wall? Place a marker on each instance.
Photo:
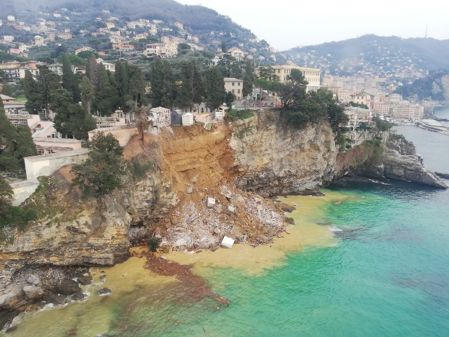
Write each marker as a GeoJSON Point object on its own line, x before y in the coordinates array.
{"type": "Point", "coordinates": [22, 190]}
{"type": "Point", "coordinates": [73, 144]}
{"type": "Point", "coordinates": [46, 165]}
{"type": "Point", "coordinates": [122, 134]}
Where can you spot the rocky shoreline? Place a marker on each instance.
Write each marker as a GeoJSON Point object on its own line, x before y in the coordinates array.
{"type": "Point", "coordinates": [239, 171]}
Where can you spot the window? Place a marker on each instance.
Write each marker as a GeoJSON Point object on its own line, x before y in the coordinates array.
{"type": "Point", "coordinates": [232, 83]}
{"type": "Point", "coordinates": [238, 91]}
{"type": "Point", "coordinates": [239, 83]}
{"type": "Point", "coordinates": [233, 91]}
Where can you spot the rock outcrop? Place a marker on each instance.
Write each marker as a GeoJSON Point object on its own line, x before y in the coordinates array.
{"type": "Point", "coordinates": [274, 159]}
{"type": "Point", "coordinates": [399, 161]}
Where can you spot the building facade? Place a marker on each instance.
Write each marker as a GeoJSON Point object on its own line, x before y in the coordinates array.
{"type": "Point", "coordinates": [235, 86]}
{"type": "Point", "coordinates": [312, 75]}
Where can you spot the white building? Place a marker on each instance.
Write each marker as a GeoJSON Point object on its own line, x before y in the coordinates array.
{"type": "Point", "coordinates": [161, 117]}
{"type": "Point", "coordinates": [187, 119]}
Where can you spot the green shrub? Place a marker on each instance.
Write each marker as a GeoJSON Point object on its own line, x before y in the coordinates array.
{"type": "Point", "coordinates": [153, 244]}
{"type": "Point", "coordinates": [239, 114]}
{"type": "Point", "coordinates": [138, 169]}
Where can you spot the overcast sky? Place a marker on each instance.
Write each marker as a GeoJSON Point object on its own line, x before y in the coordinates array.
{"type": "Point", "coordinates": [285, 24]}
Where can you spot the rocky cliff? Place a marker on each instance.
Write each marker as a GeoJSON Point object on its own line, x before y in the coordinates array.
{"type": "Point", "coordinates": [187, 187]}
{"type": "Point", "coordinates": [274, 159]}
{"type": "Point", "coordinates": [399, 161]}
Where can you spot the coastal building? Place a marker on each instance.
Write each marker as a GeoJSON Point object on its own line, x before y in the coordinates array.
{"type": "Point", "coordinates": [407, 110]}
{"type": "Point", "coordinates": [312, 75]}
{"type": "Point", "coordinates": [357, 116]}
{"type": "Point", "coordinates": [235, 86]}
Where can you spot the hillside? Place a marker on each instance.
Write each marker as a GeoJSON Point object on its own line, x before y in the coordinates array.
{"type": "Point", "coordinates": [383, 56]}
{"type": "Point", "coordinates": [434, 87]}
{"type": "Point", "coordinates": [197, 19]}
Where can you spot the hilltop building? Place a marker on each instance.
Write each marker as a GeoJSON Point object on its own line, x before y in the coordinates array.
{"type": "Point", "coordinates": [312, 75]}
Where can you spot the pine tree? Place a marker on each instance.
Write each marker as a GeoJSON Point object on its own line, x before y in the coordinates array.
{"type": "Point", "coordinates": [248, 80]}
{"type": "Point", "coordinates": [215, 91]}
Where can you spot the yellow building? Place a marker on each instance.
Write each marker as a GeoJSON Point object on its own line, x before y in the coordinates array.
{"type": "Point", "coordinates": [235, 86]}
{"type": "Point", "coordinates": [312, 75]}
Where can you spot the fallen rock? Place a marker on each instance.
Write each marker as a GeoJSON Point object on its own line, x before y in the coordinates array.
{"type": "Point", "coordinates": [85, 280]}
{"type": "Point", "coordinates": [33, 292]}
{"type": "Point", "coordinates": [33, 279]}
{"type": "Point", "coordinates": [104, 291]}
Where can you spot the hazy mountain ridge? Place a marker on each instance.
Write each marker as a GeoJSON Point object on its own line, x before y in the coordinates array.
{"type": "Point", "coordinates": [198, 18]}
{"type": "Point", "coordinates": [384, 56]}
{"type": "Point", "coordinates": [434, 87]}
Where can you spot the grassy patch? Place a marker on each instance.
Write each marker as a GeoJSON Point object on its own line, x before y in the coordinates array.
{"type": "Point", "coordinates": [138, 169]}
{"type": "Point", "coordinates": [239, 114]}
{"type": "Point", "coordinates": [245, 131]}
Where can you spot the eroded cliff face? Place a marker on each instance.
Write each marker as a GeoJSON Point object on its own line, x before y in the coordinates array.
{"type": "Point", "coordinates": [193, 187]}
{"type": "Point", "coordinates": [274, 159]}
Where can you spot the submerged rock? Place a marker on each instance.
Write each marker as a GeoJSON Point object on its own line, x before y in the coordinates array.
{"type": "Point", "coordinates": [104, 291]}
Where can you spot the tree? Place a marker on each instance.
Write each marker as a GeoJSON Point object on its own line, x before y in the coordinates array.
{"type": "Point", "coordinates": [230, 98]}
{"type": "Point", "coordinates": [122, 79]}
{"type": "Point", "coordinates": [6, 89]}
{"type": "Point", "coordinates": [248, 80]}
{"type": "Point", "coordinates": [137, 85]}
{"type": "Point", "coordinates": [214, 87]}
{"type": "Point", "coordinates": [185, 92]}
{"type": "Point", "coordinates": [15, 145]}
{"type": "Point", "coordinates": [106, 98]}
{"type": "Point", "coordinates": [6, 195]}
{"type": "Point", "coordinates": [92, 70]}
{"type": "Point", "coordinates": [29, 84]}
{"type": "Point", "coordinates": [162, 84]}
{"type": "Point", "coordinates": [87, 94]}
{"type": "Point", "coordinates": [197, 85]}
{"type": "Point", "coordinates": [224, 47]}
{"type": "Point", "coordinates": [69, 80]}
{"type": "Point", "coordinates": [47, 82]}
{"type": "Point", "coordinates": [101, 173]}
{"type": "Point", "coordinates": [72, 120]}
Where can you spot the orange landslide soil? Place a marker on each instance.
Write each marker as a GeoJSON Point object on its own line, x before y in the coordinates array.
{"type": "Point", "coordinates": [196, 285]}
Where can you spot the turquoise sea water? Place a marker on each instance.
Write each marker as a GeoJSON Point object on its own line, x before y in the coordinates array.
{"type": "Point", "coordinates": [387, 274]}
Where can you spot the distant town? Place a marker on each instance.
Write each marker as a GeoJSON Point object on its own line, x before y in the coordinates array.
{"type": "Point", "coordinates": [53, 41]}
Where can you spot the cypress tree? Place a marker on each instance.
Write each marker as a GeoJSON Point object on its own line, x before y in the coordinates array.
{"type": "Point", "coordinates": [92, 70]}
{"type": "Point", "coordinates": [69, 80]}
{"type": "Point", "coordinates": [248, 80]}
{"type": "Point", "coordinates": [87, 94]}
{"type": "Point", "coordinates": [215, 91]}
{"type": "Point", "coordinates": [105, 96]}
{"type": "Point", "coordinates": [197, 85]}
{"type": "Point", "coordinates": [136, 85]}
{"type": "Point", "coordinates": [185, 93]}
{"type": "Point", "coordinates": [162, 84]}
